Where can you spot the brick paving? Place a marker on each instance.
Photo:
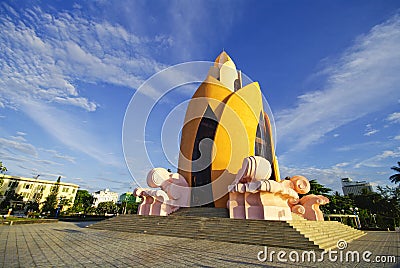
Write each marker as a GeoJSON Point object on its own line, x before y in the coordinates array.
{"type": "Point", "coordinates": [70, 245]}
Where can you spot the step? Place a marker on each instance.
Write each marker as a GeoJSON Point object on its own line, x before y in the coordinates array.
{"type": "Point", "coordinates": [326, 234]}
{"type": "Point", "coordinates": [305, 235]}
{"type": "Point", "coordinates": [273, 233]}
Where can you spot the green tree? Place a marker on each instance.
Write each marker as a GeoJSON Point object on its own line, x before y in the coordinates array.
{"type": "Point", "coordinates": [338, 204]}
{"type": "Point", "coordinates": [32, 206]}
{"type": "Point", "coordinates": [395, 178]}
{"type": "Point", "coordinates": [106, 207]}
{"type": "Point", "coordinates": [83, 201]}
{"type": "Point", "coordinates": [318, 189]}
{"type": "Point", "coordinates": [10, 195]}
{"type": "Point", "coordinates": [51, 200]}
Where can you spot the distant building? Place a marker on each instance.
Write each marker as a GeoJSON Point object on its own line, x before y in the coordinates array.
{"type": "Point", "coordinates": [354, 187]}
{"type": "Point", "coordinates": [35, 190]}
{"type": "Point", "coordinates": [104, 196]}
{"type": "Point", "coordinates": [129, 198]}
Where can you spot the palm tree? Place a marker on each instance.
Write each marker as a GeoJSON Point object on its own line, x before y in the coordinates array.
{"type": "Point", "coordinates": [3, 170]}
{"type": "Point", "coordinates": [395, 178]}
{"type": "Point", "coordinates": [318, 189]}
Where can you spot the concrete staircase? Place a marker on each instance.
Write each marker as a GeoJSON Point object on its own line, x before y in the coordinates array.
{"type": "Point", "coordinates": [325, 234]}
{"type": "Point", "coordinates": [207, 212]}
{"type": "Point", "coordinates": [214, 224]}
{"type": "Point", "coordinates": [254, 232]}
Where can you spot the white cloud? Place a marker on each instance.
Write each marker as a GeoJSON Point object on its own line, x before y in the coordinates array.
{"type": "Point", "coordinates": [56, 154]}
{"type": "Point", "coordinates": [18, 145]}
{"type": "Point", "coordinates": [377, 160]}
{"type": "Point", "coordinates": [358, 84]}
{"type": "Point", "coordinates": [69, 131]}
{"type": "Point", "coordinates": [394, 118]}
{"type": "Point", "coordinates": [12, 148]}
{"type": "Point", "coordinates": [79, 102]}
{"type": "Point", "coordinates": [358, 146]}
{"type": "Point", "coordinates": [18, 138]}
{"type": "Point", "coordinates": [329, 177]}
{"type": "Point", "coordinates": [397, 137]}
{"type": "Point", "coordinates": [369, 130]}
{"type": "Point", "coordinates": [46, 56]}
{"type": "Point", "coordinates": [343, 164]}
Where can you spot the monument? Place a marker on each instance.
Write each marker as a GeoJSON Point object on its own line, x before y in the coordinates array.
{"type": "Point", "coordinates": [227, 157]}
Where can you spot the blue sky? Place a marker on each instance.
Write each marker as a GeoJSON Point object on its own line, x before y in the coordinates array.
{"type": "Point", "coordinates": [330, 72]}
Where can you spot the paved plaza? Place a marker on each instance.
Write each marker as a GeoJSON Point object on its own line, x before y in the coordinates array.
{"type": "Point", "coordinates": [72, 245]}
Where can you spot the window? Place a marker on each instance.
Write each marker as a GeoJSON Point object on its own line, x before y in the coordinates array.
{"type": "Point", "coordinates": [65, 190]}
{"type": "Point", "coordinates": [73, 191]}
{"type": "Point", "coordinates": [13, 184]}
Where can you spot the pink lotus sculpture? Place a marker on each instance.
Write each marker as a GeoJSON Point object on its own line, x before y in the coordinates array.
{"type": "Point", "coordinates": [253, 196]}
{"type": "Point", "coordinates": [174, 193]}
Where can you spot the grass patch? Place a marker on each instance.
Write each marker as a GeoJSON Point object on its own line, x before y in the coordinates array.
{"type": "Point", "coordinates": [11, 218]}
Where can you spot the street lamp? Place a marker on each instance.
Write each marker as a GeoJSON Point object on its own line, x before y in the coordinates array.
{"type": "Point", "coordinates": [374, 217]}
{"type": "Point", "coordinates": [357, 218]}
{"type": "Point", "coordinates": [59, 207]}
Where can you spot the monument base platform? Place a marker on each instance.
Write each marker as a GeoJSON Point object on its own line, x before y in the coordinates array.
{"type": "Point", "coordinates": [254, 232]}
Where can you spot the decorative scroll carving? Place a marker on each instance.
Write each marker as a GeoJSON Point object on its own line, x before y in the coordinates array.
{"type": "Point", "coordinates": [174, 193]}
{"type": "Point", "coordinates": [253, 196]}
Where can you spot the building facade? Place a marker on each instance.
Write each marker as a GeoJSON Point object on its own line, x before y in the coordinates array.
{"type": "Point", "coordinates": [37, 190]}
{"type": "Point", "coordinates": [104, 196]}
{"type": "Point", "coordinates": [354, 187]}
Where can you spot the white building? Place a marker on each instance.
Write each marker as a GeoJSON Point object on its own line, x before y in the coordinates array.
{"type": "Point", "coordinates": [104, 196]}
{"type": "Point", "coordinates": [35, 190]}
{"type": "Point", "coordinates": [354, 187]}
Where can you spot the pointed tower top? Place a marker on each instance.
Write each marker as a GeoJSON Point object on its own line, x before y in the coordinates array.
{"type": "Point", "coordinates": [224, 70]}
{"type": "Point", "coordinates": [223, 57]}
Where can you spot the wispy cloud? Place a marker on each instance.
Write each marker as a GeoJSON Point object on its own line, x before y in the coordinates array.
{"type": "Point", "coordinates": [329, 176]}
{"type": "Point", "coordinates": [369, 130]}
{"type": "Point", "coordinates": [47, 55]}
{"type": "Point", "coordinates": [343, 164]}
{"type": "Point", "coordinates": [67, 130]}
{"type": "Point", "coordinates": [58, 155]}
{"type": "Point", "coordinates": [24, 159]}
{"type": "Point", "coordinates": [365, 79]}
{"type": "Point", "coordinates": [394, 118]}
{"type": "Point", "coordinates": [377, 160]}
{"type": "Point", "coordinates": [47, 58]}
{"type": "Point", "coordinates": [358, 146]}
{"type": "Point", "coordinates": [18, 145]}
